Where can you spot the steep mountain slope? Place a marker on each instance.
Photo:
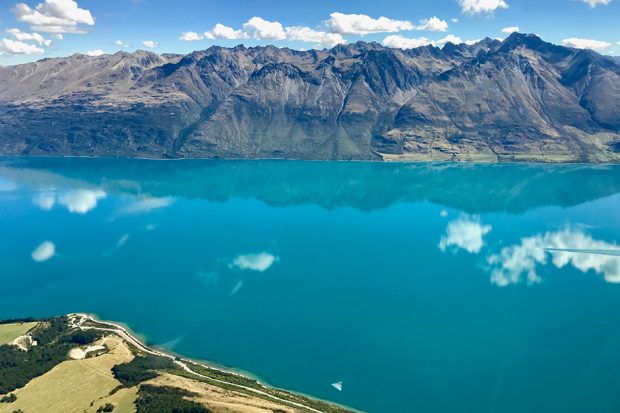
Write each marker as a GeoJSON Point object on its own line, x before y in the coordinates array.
{"type": "Point", "coordinates": [520, 99]}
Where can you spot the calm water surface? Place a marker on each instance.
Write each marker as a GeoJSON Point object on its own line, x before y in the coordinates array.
{"type": "Point", "coordinates": [424, 288]}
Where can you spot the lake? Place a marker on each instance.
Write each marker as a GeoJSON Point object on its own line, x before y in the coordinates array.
{"type": "Point", "coordinates": [422, 287]}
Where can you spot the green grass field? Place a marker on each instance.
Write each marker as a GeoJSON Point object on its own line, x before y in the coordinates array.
{"type": "Point", "coordinates": [9, 332]}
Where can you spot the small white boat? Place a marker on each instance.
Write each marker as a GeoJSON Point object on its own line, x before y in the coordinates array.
{"type": "Point", "coordinates": [337, 386]}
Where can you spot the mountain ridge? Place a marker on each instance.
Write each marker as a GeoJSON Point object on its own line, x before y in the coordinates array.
{"type": "Point", "coordinates": [521, 99]}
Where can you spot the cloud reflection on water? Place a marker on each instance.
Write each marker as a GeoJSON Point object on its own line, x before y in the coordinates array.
{"type": "Point", "coordinates": [256, 262]}
{"type": "Point", "coordinates": [78, 201]}
{"type": "Point", "coordinates": [45, 251]}
{"type": "Point", "coordinates": [569, 247]}
{"type": "Point", "coordinates": [146, 204]}
{"type": "Point", "coordinates": [466, 233]}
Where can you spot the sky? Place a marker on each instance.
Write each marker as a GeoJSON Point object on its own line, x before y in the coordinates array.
{"type": "Point", "coordinates": [32, 30]}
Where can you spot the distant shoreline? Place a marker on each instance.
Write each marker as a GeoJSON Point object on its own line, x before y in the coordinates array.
{"type": "Point", "coordinates": [388, 159]}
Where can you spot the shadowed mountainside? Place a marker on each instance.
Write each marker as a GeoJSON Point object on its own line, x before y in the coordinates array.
{"type": "Point", "coordinates": [519, 99]}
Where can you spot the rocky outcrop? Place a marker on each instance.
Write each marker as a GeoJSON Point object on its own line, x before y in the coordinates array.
{"type": "Point", "coordinates": [520, 99]}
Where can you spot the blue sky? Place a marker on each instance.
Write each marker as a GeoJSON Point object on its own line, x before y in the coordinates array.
{"type": "Point", "coordinates": [31, 30]}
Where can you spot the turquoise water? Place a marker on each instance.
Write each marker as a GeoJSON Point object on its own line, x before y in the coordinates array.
{"type": "Point", "coordinates": [423, 287]}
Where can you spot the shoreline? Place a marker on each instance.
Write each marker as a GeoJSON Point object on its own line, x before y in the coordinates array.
{"type": "Point", "coordinates": [135, 339]}
{"type": "Point", "coordinates": [398, 159]}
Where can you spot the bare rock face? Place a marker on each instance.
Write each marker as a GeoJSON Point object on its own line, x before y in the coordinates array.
{"type": "Point", "coordinates": [520, 99]}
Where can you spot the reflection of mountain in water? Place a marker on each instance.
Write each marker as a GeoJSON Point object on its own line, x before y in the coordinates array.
{"type": "Point", "coordinates": [365, 186]}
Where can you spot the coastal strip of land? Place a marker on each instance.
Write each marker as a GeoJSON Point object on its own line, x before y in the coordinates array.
{"type": "Point", "coordinates": [79, 363]}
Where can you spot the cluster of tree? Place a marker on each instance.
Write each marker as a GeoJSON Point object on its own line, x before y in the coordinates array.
{"type": "Point", "coordinates": [54, 340]}
{"type": "Point", "coordinates": [141, 368]}
{"type": "Point", "coordinates": [156, 399]}
{"type": "Point", "coordinates": [106, 408]}
{"type": "Point", "coordinates": [9, 398]}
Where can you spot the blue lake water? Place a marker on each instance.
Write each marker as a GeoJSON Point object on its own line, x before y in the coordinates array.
{"type": "Point", "coordinates": [423, 287]}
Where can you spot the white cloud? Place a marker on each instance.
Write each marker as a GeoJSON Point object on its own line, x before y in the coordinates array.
{"type": "Point", "coordinates": [433, 24]}
{"type": "Point", "coordinates": [13, 47]}
{"type": "Point", "coordinates": [147, 204]}
{"type": "Point", "coordinates": [580, 251]}
{"type": "Point", "coordinates": [221, 31]}
{"type": "Point", "coordinates": [54, 16]}
{"type": "Point", "coordinates": [258, 28]}
{"type": "Point", "coordinates": [261, 29]}
{"type": "Point", "coordinates": [150, 44]}
{"type": "Point", "coordinates": [58, 36]}
{"type": "Point", "coordinates": [482, 6]}
{"type": "Point", "coordinates": [511, 29]}
{"type": "Point", "coordinates": [23, 36]}
{"type": "Point", "coordinates": [401, 42]}
{"type": "Point", "coordinates": [121, 44]}
{"type": "Point", "coordinates": [585, 43]}
{"type": "Point", "coordinates": [81, 201]}
{"type": "Point", "coordinates": [361, 24]}
{"type": "Point", "coordinates": [255, 262]}
{"type": "Point", "coordinates": [44, 252]}
{"type": "Point", "coordinates": [449, 39]}
{"type": "Point", "coordinates": [466, 233]}
{"type": "Point", "coordinates": [191, 36]}
{"type": "Point", "coordinates": [45, 201]}
{"type": "Point", "coordinates": [594, 3]}
{"type": "Point", "coordinates": [94, 53]}
{"type": "Point", "coordinates": [454, 20]}
{"type": "Point", "coordinates": [306, 34]}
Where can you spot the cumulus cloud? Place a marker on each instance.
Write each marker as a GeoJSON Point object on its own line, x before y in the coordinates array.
{"type": "Point", "coordinates": [466, 233]}
{"type": "Point", "coordinates": [361, 24]}
{"type": "Point", "coordinates": [221, 31]}
{"type": "Point", "coordinates": [190, 36]}
{"type": "Point", "coordinates": [261, 29]}
{"type": "Point", "coordinates": [401, 42]}
{"type": "Point", "coordinates": [23, 37]}
{"type": "Point", "coordinates": [308, 35]}
{"type": "Point", "coordinates": [255, 262]}
{"type": "Point", "coordinates": [579, 43]}
{"type": "Point", "coordinates": [510, 29]}
{"type": "Point", "coordinates": [55, 16]}
{"type": "Point", "coordinates": [258, 28]}
{"type": "Point", "coordinates": [434, 24]}
{"type": "Point", "coordinates": [81, 201]}
{"type": "Point", "coordinates": [44, 252]}
{"type": "Point", "coordinates": [594, 3]}
{"type": "Point", "coordinates": [121, 44]}
{"type": "Point", "coordinates": [94, 53]}
{"type": "Point", "coordinates": [15, 47]}
{"type": "Point", "coordinates": [568, 247]}
{"type": "Point", "coordinates": [481, 6]}
{"type": "Point", "coordinates": [150, 44]}
{"type": "Point", "coordinates": [449, 39]}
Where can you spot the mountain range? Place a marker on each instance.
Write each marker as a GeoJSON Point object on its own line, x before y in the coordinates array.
{"type": "Point", "coordinates": [520, 99]}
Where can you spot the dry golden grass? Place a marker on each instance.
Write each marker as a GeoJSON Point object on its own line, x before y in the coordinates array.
{"type": "Point", "coordinates": [9, 332]}
{"type": "Point", "coordinates": [71, 386]}
{"type": "Point", "coordinates": [220, 400]}
{"type": "Point", "coordinates": [123, 401]}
